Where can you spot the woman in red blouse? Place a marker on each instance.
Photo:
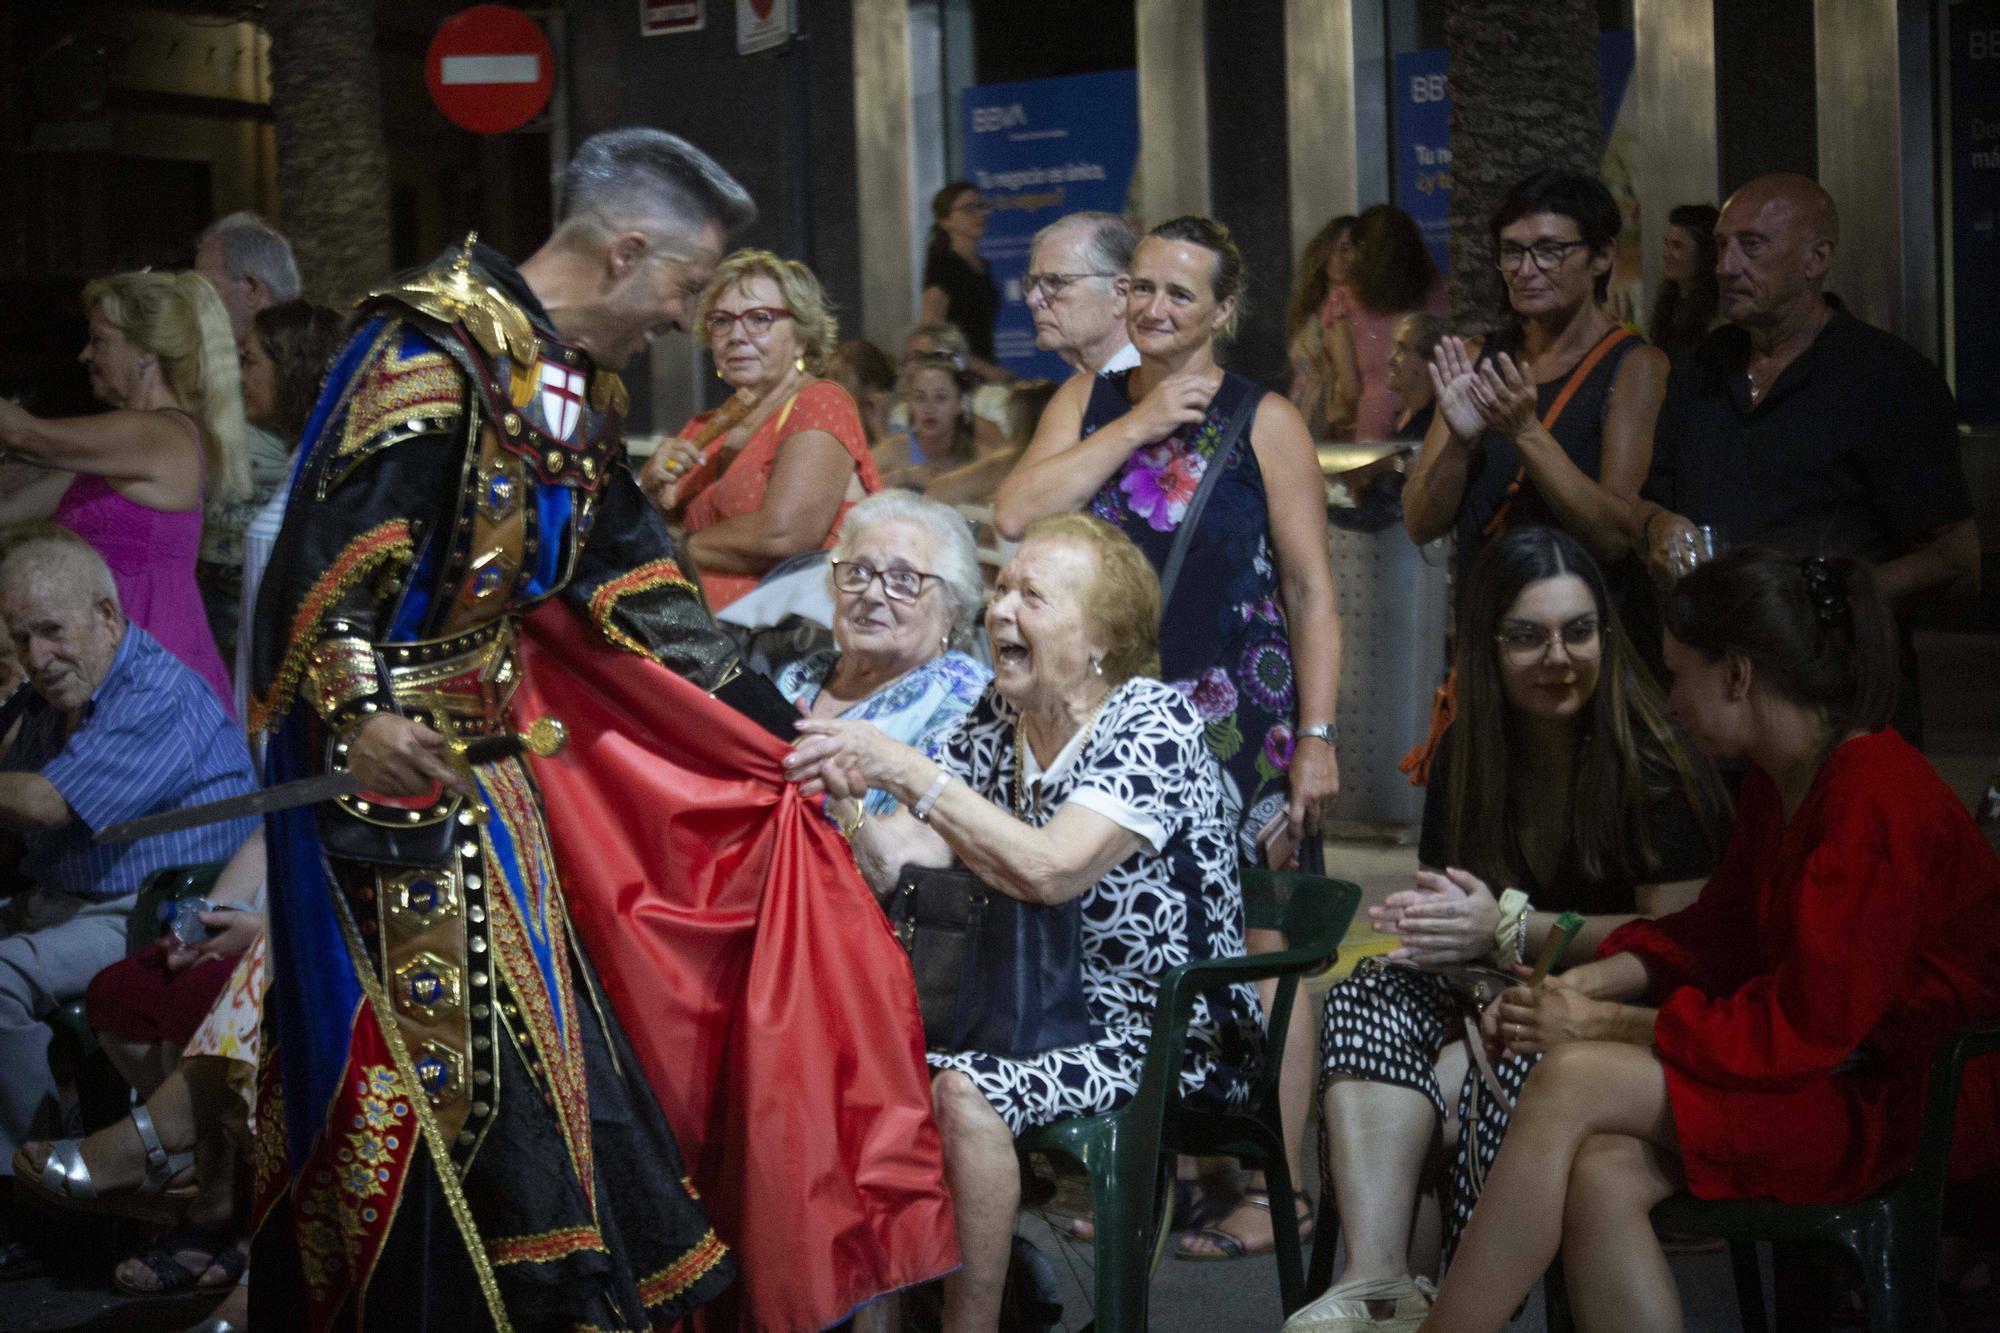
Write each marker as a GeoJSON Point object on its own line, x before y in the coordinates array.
{"type": "Point", "coordinates": [1854, 921]}
{"type": "Point", "coordinates": [772, 473]}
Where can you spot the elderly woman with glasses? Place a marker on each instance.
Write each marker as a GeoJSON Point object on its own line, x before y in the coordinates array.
{"type": "Point", "coordinates": [1561, 786]}
{"type": "Point", "coordinates": [906, 594]}
{"type": "Point", "coordinates": [770, 473]}
{"type": "Point", "coordinates": [1078, 777]}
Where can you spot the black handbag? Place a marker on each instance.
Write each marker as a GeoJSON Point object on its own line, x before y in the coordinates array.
{"type": "Point", "coordinates": [993, 973]}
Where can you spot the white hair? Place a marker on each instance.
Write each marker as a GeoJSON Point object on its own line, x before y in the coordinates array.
{"type": "Point", "coordinates": [957, 558]}
{"type": "Point", "coordinates": [65, 557]}
{"type": "Point", "coordinates": [253, 248]}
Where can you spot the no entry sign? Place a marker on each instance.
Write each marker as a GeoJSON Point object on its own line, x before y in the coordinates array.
{"type": "Point", "coordinates": [489, 69]}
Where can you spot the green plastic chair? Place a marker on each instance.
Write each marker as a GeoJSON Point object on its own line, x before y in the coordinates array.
{"type": "Point", "coordinates": [101, 1094]}
{"type": "Point", "coordinates": [1128, 1152]}
{"type": "Point", "coordinates": [1893, 1235]}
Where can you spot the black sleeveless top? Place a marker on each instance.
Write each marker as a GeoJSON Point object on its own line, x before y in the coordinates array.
{"type": "Point", "coordinates": [1495, 464]}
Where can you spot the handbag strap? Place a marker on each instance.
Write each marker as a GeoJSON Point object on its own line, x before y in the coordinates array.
{"type": "Point", "coordinates": [1619, 333]}
{"type": "Point", "coordinates": [1239, 421]}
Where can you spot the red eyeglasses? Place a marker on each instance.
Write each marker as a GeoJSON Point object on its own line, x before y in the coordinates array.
{"type": "Point", "coordinates": [757, 320]}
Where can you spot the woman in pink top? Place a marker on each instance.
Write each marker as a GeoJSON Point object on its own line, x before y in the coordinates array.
{"type": "Point", "coordinates": [132, 481]}
{"type": "Point", "coordinates": [771, 473]}
{"type": "Point", "coordinates": [1392, 275]}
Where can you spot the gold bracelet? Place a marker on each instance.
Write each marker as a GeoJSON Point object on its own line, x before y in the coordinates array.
{"type": "Point", "coordinates": [848, 830]}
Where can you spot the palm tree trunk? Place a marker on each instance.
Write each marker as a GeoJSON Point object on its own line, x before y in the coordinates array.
{"type": "Point", "coordinates": [333, 166]}
{"type": "Point", "coordinates": [1523, 97]}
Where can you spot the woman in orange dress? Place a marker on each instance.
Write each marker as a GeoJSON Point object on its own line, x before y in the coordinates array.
{"type": "Point", "coordinates": [770, 474]}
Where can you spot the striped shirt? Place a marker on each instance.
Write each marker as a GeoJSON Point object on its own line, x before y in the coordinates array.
{"type": "Point", "coordinates": [153, 737]}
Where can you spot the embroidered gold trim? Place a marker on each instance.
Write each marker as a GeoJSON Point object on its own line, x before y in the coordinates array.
{"type": "Point", "coordinates": [434, 1140]}
{"type": "Point", "coordinates": [363, 556]}
{"type": "Point", "coordinates": [396, 390]}
{"type": "Point", "coordinates": [647, 577]}
{"type": "Point", "coordinates": [548, 1247]}
{"type": "Point", "coordinates": [454, 296]}
{"type": "Point", "coordinates": [683, 1272]}
{"type": "Point", "coordinates": [339, 672]}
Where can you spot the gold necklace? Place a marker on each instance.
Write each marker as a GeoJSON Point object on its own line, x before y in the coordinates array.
{"type": "Point", "coordinates": [1021, 802]}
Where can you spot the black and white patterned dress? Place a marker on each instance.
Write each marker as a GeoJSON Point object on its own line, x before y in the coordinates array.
{"type": "Point", "coordinates": [1145, 766]}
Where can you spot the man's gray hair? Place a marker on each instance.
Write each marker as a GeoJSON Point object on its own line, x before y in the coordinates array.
{"type": "Point", "coordinates": [1109, 245]}
{"type": "Point", "coordinates": [956, 562]}
{"type": "Point", "coordinates": [638, 174]}
{"type": "Point", "coordinates": [253, 248]}
{"type": "Point", "coordinates": [38, 545]}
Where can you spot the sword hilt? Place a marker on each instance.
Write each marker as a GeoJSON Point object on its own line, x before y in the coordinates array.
{"type": "Point", "coordinates": [544, 738]}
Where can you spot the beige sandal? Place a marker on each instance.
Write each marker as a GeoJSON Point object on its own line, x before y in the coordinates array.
{"type": "Point", "coordinates": [1344, 1307]}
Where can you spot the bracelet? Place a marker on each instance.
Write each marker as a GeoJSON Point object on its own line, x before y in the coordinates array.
{"type": "Point", "coordinates": [1324, 731]}
{"type": "Point", "coordinates": [922, 809]}
{"type": "Point", "coordinates": [848, 830]}
{"type": "Point", "coordinates": [1510, 937]}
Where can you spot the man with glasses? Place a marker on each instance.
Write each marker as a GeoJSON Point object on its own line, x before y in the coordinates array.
{"type": "Point", "coordinates": [1799, 426]}
{"type": "Point", "coordinates": [1075, 288]}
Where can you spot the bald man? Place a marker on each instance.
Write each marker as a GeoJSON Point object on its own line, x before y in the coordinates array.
{"type": "Point", "coordinates": [1798, 426]}
{"type": "Point", "coordinates": [116, 728]}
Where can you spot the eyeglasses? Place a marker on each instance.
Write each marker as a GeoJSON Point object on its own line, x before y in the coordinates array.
{"type": "Point", "coordinates": [1546, 255]}
{"type": "Point", "coordinates": [898, 585]}
{"type": "Point", "coordinates": [1526, 644]}
{"type": "Point", "coordinates": [757, 320]}
{"type": "Point", "coordinates": [972, 205]}
{"type": "Point", "coordinates": [1051, 284]}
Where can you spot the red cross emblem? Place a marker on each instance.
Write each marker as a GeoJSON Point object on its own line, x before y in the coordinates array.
{"type": "Point", "coordinates": [562, 399]}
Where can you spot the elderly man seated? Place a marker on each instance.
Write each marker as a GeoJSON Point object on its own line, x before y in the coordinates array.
{"type": "Point", "coordinates": [117, 728]}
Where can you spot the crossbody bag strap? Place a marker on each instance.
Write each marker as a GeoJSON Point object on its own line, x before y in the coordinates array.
{"type": "Point", "coordinates": [1618, 334]}
{"type": "Point", "coordinates": [1239, 422]}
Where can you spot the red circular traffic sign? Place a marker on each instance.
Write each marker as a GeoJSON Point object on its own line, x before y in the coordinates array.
{"type": "Point", "coordinates": [490, 69]}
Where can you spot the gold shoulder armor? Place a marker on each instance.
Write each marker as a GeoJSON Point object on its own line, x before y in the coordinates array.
{"type": "Point", "coordinates": [457, 295]}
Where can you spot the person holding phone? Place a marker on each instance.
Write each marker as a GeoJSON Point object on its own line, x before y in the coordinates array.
{"type": "Point", "coordinates": [1562, 786]}
{"type": "Point", "coordinates": [1774, 1038]}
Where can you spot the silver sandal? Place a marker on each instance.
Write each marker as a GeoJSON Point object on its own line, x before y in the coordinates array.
{"type": "Point", "coordinates": [64, 1179]}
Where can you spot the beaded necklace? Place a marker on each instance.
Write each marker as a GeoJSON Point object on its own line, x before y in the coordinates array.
{"type": "Point", "coordinates": [1022, 803]}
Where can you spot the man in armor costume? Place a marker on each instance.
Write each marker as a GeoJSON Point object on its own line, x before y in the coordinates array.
{"type": "Point", "coordinates": [453, 1132]}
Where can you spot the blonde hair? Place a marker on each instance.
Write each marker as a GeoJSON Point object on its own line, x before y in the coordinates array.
{"type": "Point", "coordinates": [811, 315]}
{"type": "Point", "coordinates": [1123, 601]}
{"type": "Point", "coordinates": [179, 319]}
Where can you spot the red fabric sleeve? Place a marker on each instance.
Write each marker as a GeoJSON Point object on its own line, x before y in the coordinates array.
{"type": "Point", "coordinates": [1711, 944]}
{"type": "Point", "coordinates": [1850, 943]}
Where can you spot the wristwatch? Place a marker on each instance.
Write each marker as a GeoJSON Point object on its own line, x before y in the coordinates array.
{"type": "Point", "coordinates": [1325, 731]}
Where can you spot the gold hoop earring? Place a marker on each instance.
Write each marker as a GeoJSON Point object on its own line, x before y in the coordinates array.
{"type": "Point", "coordinates": [800, 365]}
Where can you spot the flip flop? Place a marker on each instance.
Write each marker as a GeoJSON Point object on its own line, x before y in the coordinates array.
{"type": "Point", "coordinates": [1228, 1246]}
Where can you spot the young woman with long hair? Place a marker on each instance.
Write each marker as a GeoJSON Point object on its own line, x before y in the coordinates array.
{"type": "Point", "coordinates": [1562, 786]}
{"type": "Point", "coordinates": [1773, 1040]}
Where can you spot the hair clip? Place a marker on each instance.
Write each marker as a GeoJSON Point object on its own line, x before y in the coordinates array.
{"type": "Point", "coordinates": [1826, 587]}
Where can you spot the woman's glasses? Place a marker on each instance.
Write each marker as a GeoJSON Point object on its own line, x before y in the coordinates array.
{"type": "Point", "coordinates": [898, 585]}
{"type": "Point", "coordinates": [1547, 256]}
{"type": "Point", "coordinates": [757, 320]}
{"type": "Point", "coordinates": [1526, 644]}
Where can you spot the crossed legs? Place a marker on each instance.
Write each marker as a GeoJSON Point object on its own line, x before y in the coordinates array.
{"type": "Point", "coordinates": [1590, 1149]}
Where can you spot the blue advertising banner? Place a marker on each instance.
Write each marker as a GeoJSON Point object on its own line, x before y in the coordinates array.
{"type": "Point", "coordinates": [1038, 150]}
{"type": "Point", "coordinates": [1422, 162]}
{"type": "Point", "coordinates": [1975, 209]}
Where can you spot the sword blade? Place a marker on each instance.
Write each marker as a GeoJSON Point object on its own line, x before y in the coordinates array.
{"type": "Point", "coordinates": [285, 796]}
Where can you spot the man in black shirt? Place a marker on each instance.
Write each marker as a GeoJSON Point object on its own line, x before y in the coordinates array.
{"type": "Point", "coordinates": [1798, 426]}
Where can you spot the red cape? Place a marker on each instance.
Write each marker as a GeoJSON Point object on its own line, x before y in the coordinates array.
{"type": "Point", "coordinates": [763, 990]}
